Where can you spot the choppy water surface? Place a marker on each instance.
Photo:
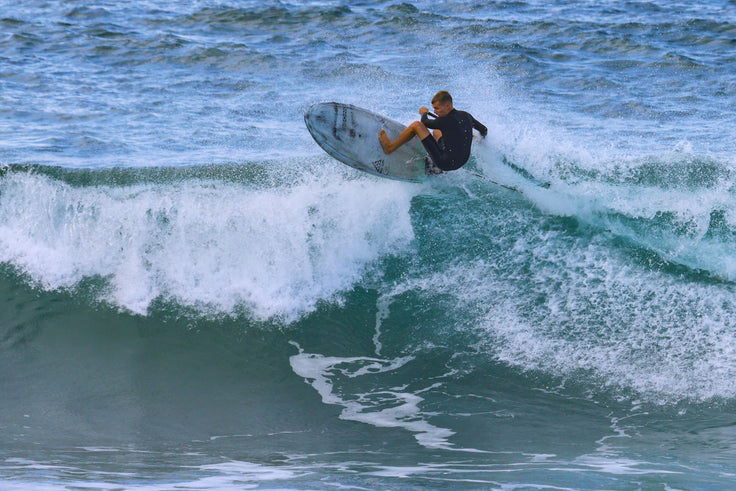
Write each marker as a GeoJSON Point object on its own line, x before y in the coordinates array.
{"type": "Point", "coordinates": [193, 295]}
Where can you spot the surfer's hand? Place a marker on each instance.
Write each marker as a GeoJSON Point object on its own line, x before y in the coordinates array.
{"type": "Point", "coordinates": [423, 110]}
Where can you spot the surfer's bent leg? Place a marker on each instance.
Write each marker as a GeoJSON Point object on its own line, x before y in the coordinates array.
{"type": "Point", "coordinates": [416, 128]}
{"type": "Point", "coordinates": [432, 148]}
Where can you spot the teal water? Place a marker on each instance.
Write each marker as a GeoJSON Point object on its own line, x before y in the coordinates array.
{"type": "Point", "coordinates": [194, 296]}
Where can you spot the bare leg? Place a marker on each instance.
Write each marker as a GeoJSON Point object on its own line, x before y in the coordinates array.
{"type": "Point", "coordinates": [416, 128]}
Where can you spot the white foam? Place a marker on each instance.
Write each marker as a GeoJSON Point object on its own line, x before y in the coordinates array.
{"type": "Point", "coordinates": [241, 475]}
{"type": "Point", "coordinates": [386, 408]}
{"type": "Point", "coordinates": [628, 326]}
{"type": "Point", "coordinates": [383, 305]}
{"type": "Point", "coordinates": [213, 245]}
{"type": "Point", "coordinates": [232, 474]}
{"type": "Point", "coordinates": [581, 309]}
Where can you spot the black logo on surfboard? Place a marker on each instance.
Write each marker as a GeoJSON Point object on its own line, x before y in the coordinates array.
{"type": "Point", "coordinates": [380, 166]}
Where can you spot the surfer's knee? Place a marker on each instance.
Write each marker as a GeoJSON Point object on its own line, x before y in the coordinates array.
{"type": "Point", "coordinates": [419, 129]}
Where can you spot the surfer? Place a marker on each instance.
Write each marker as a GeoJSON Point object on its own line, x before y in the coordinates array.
{"type": "Point", "coordinates": [449, 144]}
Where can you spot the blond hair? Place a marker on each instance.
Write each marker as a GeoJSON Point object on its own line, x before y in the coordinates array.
{"type": "Point", "coordinates": [443, 97]}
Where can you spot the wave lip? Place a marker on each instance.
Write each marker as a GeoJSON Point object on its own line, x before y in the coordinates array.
{"type": "Point", "coordinates": [219, 247]}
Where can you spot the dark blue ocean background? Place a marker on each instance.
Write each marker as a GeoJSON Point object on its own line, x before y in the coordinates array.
{"type": "Point", "coordinates": [193, 295]}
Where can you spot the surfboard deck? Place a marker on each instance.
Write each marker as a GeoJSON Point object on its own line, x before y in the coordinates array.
{"type": "Point", "coordinates": [350, 134]}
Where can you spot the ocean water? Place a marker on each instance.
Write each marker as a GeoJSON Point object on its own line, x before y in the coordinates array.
{"type": "Point", "coordinates": [194, 296]}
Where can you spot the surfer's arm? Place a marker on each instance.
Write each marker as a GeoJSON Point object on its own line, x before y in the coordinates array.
{"type": "Point", "coordinates": [429, 123]}
{"type": "Point", "coordinates": [480, 128]}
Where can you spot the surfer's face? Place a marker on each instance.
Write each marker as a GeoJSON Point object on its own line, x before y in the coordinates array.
{"type": "Point", "coordinates": [442, 109]}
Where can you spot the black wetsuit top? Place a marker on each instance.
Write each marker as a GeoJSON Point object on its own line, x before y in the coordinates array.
{"type": "Point", "coordinates": [453, 149]}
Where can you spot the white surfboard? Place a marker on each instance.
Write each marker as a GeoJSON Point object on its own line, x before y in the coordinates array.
{"type": "Point", "coordinates": [350, 134]}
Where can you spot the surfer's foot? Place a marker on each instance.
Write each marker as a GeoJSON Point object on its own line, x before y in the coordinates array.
{"type": "Point", "coordinates": [430, 168]}
{"type": "Point", "coordinates": [385, 142]}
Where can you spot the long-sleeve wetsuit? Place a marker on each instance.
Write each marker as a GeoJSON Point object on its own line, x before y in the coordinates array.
{"type": "Point", "coordinates": [453, 149]}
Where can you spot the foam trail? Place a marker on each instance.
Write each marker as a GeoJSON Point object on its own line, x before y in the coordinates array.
{"type": "Point", "coordinates": [680, 206]}
{"type": "Point", "coordinates": [393, 407]}
{"type": "Point", "coordinates": [383, 305]}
